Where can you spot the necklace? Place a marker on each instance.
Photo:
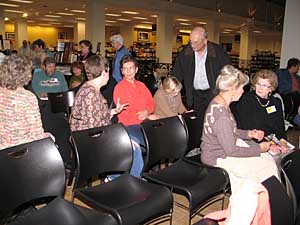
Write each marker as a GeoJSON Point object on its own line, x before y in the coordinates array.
{"type": "Point", "coordinates": [262, 105]}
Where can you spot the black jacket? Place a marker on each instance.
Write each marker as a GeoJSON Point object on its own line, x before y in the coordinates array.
{"type": "Point", "coordinates": [184, 68]}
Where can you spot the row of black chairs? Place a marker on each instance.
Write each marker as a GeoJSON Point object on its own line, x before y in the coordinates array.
{"type": "Point", "coordinates": [33, 173]}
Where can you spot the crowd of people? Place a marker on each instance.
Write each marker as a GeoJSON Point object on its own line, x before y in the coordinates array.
{"type": "Point", "coordinates": [234, 124]}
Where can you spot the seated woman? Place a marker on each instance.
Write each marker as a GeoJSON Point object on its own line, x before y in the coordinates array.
{"type": "Point", "coordinates": [78, 76]}
{"type": "Point", "coordinates": [259, 109]}
{"type": "Point", "coordinates": [90, 108]}
{"type": "Point", "coordinates": [222, 143]}
{"type": "Point", "coordinates": [168, 99]}
{"type": "Point", "coordinates": [20, 119]}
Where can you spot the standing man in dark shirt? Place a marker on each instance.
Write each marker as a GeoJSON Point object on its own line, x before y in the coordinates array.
{"type": "Point", "coordinates": [198, 66]}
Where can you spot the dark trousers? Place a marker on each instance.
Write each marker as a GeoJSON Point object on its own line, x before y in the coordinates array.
{"type": "Point", "coordinates": [202, 99]}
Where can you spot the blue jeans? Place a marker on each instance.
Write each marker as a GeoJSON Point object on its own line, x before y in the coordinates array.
{"type": "Point", "coordinates": [135, 134]}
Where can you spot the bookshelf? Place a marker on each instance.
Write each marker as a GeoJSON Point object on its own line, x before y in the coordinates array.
{"type": "Point", "coordinates": [264, 60]}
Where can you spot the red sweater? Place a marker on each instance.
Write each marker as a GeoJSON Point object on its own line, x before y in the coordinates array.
{"type": "Point", "coordinates": [137, 96]}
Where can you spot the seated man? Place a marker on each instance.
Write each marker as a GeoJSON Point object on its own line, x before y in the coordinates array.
{"type": "Point", "coordinates": [48, 80]}
{"type": "Point", "coordinates": [140, 105]}
{"type": "Point", "coordinates": [289, 83]}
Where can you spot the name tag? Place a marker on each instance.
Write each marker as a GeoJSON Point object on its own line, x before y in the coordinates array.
{"type": "Point", "coordinates": [271, 109]}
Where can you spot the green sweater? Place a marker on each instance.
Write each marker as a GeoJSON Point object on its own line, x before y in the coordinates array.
{"type": "Point", "coordinates": [42, 83]}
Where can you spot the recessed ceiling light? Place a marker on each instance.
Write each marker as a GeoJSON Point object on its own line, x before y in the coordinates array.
{"type": "Point", "coordinates": [143, 27]}
{"type": "Point", "coordinates": [225, 32]}
{"type": "Point", "coordinates": [66, 9]}
{"type": "Point", "coordinates": [25, 15]}
{"type": "Point", "coordinates": [21, 1]}
{"type": "Point", "coordinates": [148, 22]}
{"type": "Point", "coordinates": [257, 31]}
{"type": "Point", "coordinates": [80, 18]}
{"type": "Point", "coordinates": [183, 20]}
{"type": "Point", "coordinates": [154, 16]}
{"type": "Point", "coordinates": [65, 14]}
{"type": "Point", "coordinates": [53, 16]}
{"type": "Point", "coordinates": [112, 14]}
{"type": "Point", "coordinates": [8, 5]}
{"type": "Point", "coordinates": [201, 22]}
{"type": "Point", "coordinates": [228, 30]}
{"type": "Point", "coordinates": [6, 19]}
{"type": "Point", "coordinates": [121, 19]}
{"type": "Point", "coordinates": [185, 24]}
{"type": "Point", "coordinates": [139, 18]}
{"type": "Point", "coordinates": [185, 31]}
{"type": "Point", "coordinates": [130, 12]}
{"type": "Point", "coordinates": [78, 11]}
{"type": "Point", "coordinates": [13, 11]}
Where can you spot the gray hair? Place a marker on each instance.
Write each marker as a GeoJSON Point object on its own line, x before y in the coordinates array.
{"type": "Point", "coordinates": [117, 38]}
{"type": "Point", "coordinates": [230, 77]}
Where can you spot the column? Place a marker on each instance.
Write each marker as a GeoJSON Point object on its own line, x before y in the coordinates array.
{"type": "Point", "coordinates": [213, 29]}
{"type": "Point", "coordinates": [164, 37]}
{"type": "Point", "coordinates": [126, 31]}
{"type": "Point", "coordinates": [290, 46]}
{"type": "Point", "coordinates": [2, 27]}
{"type": "Point", "coordinates": [246, 47]}
{"type": "Point", "coordinates": [79, 32]}
{"type": "Point", "coordinates": [95, 24]}
{"type": "Point", "coordinates": [20, 32]}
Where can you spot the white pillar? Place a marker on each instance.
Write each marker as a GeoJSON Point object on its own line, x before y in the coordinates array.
{"type": "Point", "coordinates": [126, 30]}
{"type": "Point", "coordinates": [20, 32]}
{"type": "Point", "coordinates": [79, 32]}
{"type": "Point", "coordinates": [213, 29]}
{"type": "Point", "coordinates": [95, 24]}
{"type": "Point", "coordinates": [290, 46]}
{"type": "Point", "coordinates": [246, 47]}
{"type": "Point", "coordinates": [2, 27]}
{"type": "Point", "coordinates": [164, 37]}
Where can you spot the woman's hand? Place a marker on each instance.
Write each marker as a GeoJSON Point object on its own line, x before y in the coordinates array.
{"type": "Point", "coordinates": [275, 149]}
{"type": "Point", "coordinates": [256, 134]}
{"type": "Point", "coordinates": [119, 108]}
{"type": "Point", "coordinates": [283, 146]}
{"type": "Point", "coordinates": [142, 115]}
{"type": "Point", "coordinates": [153, 117]}
{"type": "Point", "coordinates": [264, 146]}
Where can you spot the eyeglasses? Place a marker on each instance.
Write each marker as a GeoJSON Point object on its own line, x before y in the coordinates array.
{"type": "Point", "coordinates": [262, 85]}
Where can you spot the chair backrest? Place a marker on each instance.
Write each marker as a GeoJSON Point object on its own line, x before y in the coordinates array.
{"type": "Point", "coordinates": [280, 204]}
{"type": "Point", "coordinates": [192, 121]}
{"type": "Point", "coordinates": [61, 101]}
{"type": "Point", "coordinates": [290, 164]}
{"type": "Point", "coordinates": [30, 172]}
{"type": "Point", "coordinates": [102, 151]}
{"type": "Point", "coordinates": [166, 139]}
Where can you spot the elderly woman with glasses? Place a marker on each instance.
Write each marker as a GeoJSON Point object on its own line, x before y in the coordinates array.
{"type": "Point", "coordinates": [259, 109]}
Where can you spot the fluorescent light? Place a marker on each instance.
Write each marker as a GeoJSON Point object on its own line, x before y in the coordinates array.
{"type": "Point", "coordinates": [21, 1]}
{"type": "Point", "coordinates": [68, 26]}
{"type": "Point", "coordinates": [143, 27]}
{"type": "Point", "coordinates": [185, 24]}
{"type": "Point", "coordinates": [8, 5]}
{"type": "Point", "coordinates": [112, 14]}
{"type": "Point", "coordinates": [53, 16]}
{"type": "Point", "coordinates": [25, 15]}
{"type": "Point", "coordinates": [257, 31]}
{"type": "Point", "coordinates": [121, 19]}
{"type": "Point", "coordinates": [225, 32]}
{"type": "Point", "coordinates": [49, 19]}
{"type": "Point", "coordinates": [185, 31]}
{"type": "Point", "coordinates": [183, 20]}
{"type": "Point", "coordinates": [130, 12]}
{"type": "Point", "coordinates": [139, 18]}
{"type": "Point", "coordinates": [44, 24]}
{"type": "Point", "coordinates": [80, 18]}
{"type": "Point", "coordinates": [110, 21]}
{"type": "Point", "coordinates": [228, 30]}
{"type": "Point", "coordinates": [65, 14]}
{"type": "Point", "coordinates": [30, 21]}
{"type": "Point", "coordinates": [201, 22]}
{"type": "Point", "coordinates": [6, 19]}
{"type": "Point", "coordinates": [78, 11]}
{"type": "Point", "coordinates": [55, 23]}
{"type": "Point", "coordinates": [154, 16]}
{"type": "Point", "coordinates": [13, 11]}
{"type": "Point", "coordinates": [147, 22]}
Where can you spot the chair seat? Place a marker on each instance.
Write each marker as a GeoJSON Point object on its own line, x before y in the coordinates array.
{"type": "Point", "coordinates": [62, 212]}
{"type": "Point", "coordinates": [129, 197]}
{"type": "Point", "coordinates": [196, 182]}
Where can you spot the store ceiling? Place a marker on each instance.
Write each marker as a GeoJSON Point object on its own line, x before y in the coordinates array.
{"type": "Point", "coordinates": [54, 12]}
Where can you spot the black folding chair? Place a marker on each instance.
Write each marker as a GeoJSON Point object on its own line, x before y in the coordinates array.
{"type": "Point", "coordinates": [33, 174]}
{"type": "Point", "coordinates": [280, 204]}
{"type": "Point", "coordinates": [166, 141]}
{"type": "Point", "coordinates": [106, 151]}
{"type": "Point", "coordinates": [62, 101]}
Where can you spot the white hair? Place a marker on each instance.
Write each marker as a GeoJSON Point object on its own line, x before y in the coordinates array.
{"type": "Point", "coordinates": [117, 38]}
{"type": "Point", "coordinates": [230, 77]}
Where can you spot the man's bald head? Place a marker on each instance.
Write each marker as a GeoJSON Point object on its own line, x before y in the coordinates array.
{"type": "Point", "coordinates": [198, 38]}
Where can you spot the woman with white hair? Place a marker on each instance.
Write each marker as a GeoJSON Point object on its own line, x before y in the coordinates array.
{"type": "Point", "coordinates": [117, 42]}
{"type": "Point", "coordinates": [224, 145]}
